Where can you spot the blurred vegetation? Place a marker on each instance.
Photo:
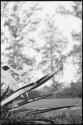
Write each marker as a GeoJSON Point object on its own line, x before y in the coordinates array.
{"type": "Point", "coordinates": [74, 91]}
{"type": "Point", "coordinates": [19, 39]}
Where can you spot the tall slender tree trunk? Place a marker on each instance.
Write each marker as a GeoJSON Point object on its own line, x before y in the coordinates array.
{"type": "Point", "coordinates": [52, 67]}
{"type": "Point", "coordinates": [14, 55]}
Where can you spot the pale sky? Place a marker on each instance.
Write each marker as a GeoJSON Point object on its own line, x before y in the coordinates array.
{"type": "Point", "coordinates": [66, 24]}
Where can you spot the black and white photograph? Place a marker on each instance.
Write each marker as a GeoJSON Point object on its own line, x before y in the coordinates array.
{"type": "Point", "coordinates": [41, 62]}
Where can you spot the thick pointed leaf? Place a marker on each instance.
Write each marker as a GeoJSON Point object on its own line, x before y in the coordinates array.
{"type": "Point", "coordinates": [14, 95]}
{"type": "Point", "coordinates": [47, 110]}
{"type": "Point", "coordinates": [22, 90]}
{"type": "Point", "coordinates": [28, 88]}
{"type": "Point", "coordinates": [29, 112]}
{"type": "Point", "coordinates": [32, 84]}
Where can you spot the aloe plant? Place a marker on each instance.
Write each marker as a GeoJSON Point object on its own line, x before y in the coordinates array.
{"type": "Point", "coordinates": [27, 88]}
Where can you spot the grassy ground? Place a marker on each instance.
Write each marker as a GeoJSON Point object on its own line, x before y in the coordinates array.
{"type": "Point", "coordinates": [48, 103]}
{"type": "Point", "coordinates": [68, 116]}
